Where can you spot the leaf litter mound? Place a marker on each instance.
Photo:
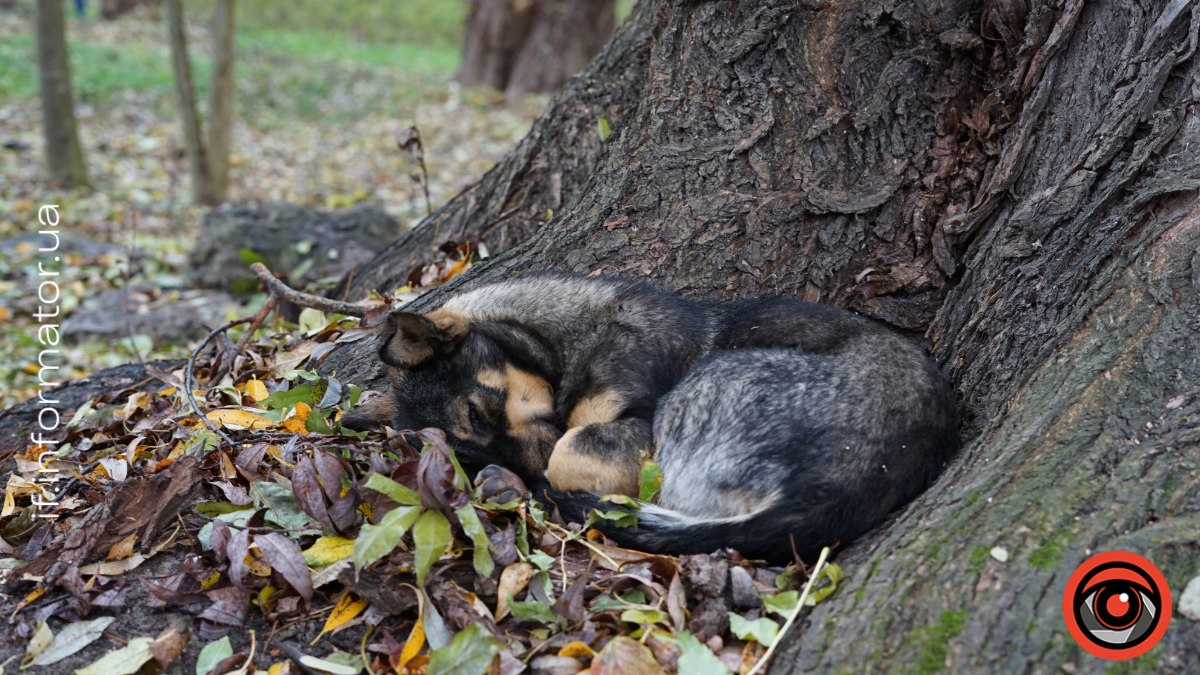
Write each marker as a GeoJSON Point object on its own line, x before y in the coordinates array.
{"type": "Point", "coordinates": [281, 517]}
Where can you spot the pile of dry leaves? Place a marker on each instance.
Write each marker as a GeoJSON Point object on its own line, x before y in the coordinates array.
{"type": "Point", "coordinates": [301, 520]}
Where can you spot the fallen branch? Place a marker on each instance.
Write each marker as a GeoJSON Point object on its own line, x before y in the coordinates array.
{"type": "Point", "coordinates": [284, 291]}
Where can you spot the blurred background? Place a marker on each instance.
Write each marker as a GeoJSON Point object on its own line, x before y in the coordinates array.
{"type": "Point", "coordinates": [276, 136]}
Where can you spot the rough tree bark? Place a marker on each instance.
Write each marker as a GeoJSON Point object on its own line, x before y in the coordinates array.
{"type": "Point", "coordinates": [1016, 183]}
{"type": "Point", "coordinates": [523, 46]}
{"type": "Point", "coordinates": [64, 158]}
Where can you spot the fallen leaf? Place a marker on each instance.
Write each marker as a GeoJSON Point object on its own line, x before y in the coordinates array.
{"type": "Point", "coordinates": [346, 609]}
{"type": "Point", "coordinates": [513, 580]}
{"type": "Point", "coordinates": [41, 639]}
{"type": "Point", "coordinates": [469, 653]}
{"type": "Point", "coordinates": [431, 536]}
{"type": "Point", "coordinates": [236, 419]}
{"type": "Point", "coordinates": [328, 550]}
{"type": "Point", "coordinates": [124, 661]}
{"type": "Point", "coordinates": [625, 656]}
{"type": "Point", "coordinates": [376, 541]}
{"type": "Point", "coordinates": [286, 558]}
{"type": "Point", "coordinates": [212, 654]}
{"type": "Point", "coordinates": [71, 639]}
{"type": "Point", "coordinates": [697, 659]}
{"type": "Point", "coordinates": [122, 550]}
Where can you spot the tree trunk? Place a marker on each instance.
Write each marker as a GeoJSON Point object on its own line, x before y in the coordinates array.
{"type": "Point", "coordinates": [64, 158]}
{"type": "Point", "coordinates": [523, 46]}
{"type": "Point", "coordinates": [197, 154]}
{"type": "Point", "coordinates": [220, 101]}
{"type": "Point", "coordinates": [1017, 184]}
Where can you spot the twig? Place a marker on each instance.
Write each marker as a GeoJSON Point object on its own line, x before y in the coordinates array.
{"type": "Point", "coordinates": [282, 290]}
{"type": "Point", "coordinates": [791, 617]}
{"type": "Point", "coordinates": [187, 379]}
{"type": "Point", "coordinates": [125, 274]}
{"type": "Point", "coordinates": [295, 655]}
{"type": "Point", "coordinates": [255, 323]}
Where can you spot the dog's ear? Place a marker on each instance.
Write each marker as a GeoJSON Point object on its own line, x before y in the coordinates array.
{"type": "Point", "coordinates": [409, 339]}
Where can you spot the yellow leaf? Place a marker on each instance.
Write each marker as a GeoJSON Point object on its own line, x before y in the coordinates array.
{"type": "Point", "coordinates": [327, 550]}
{"type": "Point", "coordinates": [577, 650]}
{"type": "Point", "coordinates": [122, 549]}
{"type": "Point", "coordinates": [257, 563]}
{"type": "Point", "coordinates": [277, 455]}
{"type": "Point", "coordinates": [295, 423]}
{"type": "Point", "coordinates": [228, 472]}
{"type": "Point", "coordinates": [210, 582]}
{"type": "Point", "coordinates": [368, 511]}
{"type": "Point", "coordinates": [257, 390]}
{"type": "Point", "coordinates": [10, 504]}
{"type": "Point", "coordinates": [169, 391]}
{"type": "Point", "coordinates": [416, 639]}
{"type": "Point", "coordinates": [347, 608]}
{"type": "Point", "coordinates": [29, 599]}
{"type": "Point", "coordinates": [265, 595]}
{"type": "Point", "coordinates": [280, 668]}
{"type": "Point", "coordinates": [237, 420]}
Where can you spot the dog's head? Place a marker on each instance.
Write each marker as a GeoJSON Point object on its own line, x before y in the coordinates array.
{"type": "Point", "coordinates": [462, 377]}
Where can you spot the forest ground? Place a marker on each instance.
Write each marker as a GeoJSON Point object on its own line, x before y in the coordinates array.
{"type": "Point", "coordinates": [315, 119]}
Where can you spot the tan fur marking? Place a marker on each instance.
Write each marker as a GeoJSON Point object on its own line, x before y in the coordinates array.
{"type": "Point", "coordinates": [599, 409]}
{"type": "Point", "coordinates": [490, 377]}
{"type": "Point", "coordinates": [450, 321]}
{"type": "Point", "coordinates": [571, 470]}
{"type": "Point", "coordinates": [530, 399]}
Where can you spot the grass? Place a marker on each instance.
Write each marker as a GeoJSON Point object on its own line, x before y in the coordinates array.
{"type": "Point", "coordinates": [271, 61]}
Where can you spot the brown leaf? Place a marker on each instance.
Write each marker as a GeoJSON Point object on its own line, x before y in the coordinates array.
{"type": "Point", "coordinates": [122, 549]}
{"type": "Point", "coordinates": [677, 603]}
{"type": "Point", "coordinates": [330, 472]}
{"type": "Point", "coordinates": [625, 656]}
{"type": "Point", "coordinates": [513, 579]}
{"type": "Point", "coordinates": [285, 557]}
{"type": "Point", "coordinates": [309, 494]}
{"type": "Point", "coordinates": [169, 645]}
{"type": "Point", "coordinates": [229, 606]}
{"type": "Point", "coordinates": [570, 605]}
{"type": "Point", "coordinates": [249, 458]}
{"type": "Point", "coordinates": [221, 534]}
{"type": "Point", "coordinates": [236, 494]}
{"type": "Point", "coordinates": [435, 475]}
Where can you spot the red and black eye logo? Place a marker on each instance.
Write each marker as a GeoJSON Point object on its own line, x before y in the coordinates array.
{"type": "Point", "coordinates": [1117, 605]}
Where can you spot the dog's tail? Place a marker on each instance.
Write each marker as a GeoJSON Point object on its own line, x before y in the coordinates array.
{"type": "Point", "coordinates": [777, 532]}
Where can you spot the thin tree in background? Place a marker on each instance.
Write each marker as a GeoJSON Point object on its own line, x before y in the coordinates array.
{"type": "Point", "coordinates": [64, 157]}
{"type": "Point", "coordinates": [209, 161]}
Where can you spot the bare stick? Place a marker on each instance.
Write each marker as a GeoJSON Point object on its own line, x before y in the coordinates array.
{"type": "Point", "coordinates": [282, 290]}
{"type": "Point", "coordinates": [187, 380]}
{"type": "Point", "coordinates": [256, 322]}
{"type": "Point", "coordinates": [812, 580]}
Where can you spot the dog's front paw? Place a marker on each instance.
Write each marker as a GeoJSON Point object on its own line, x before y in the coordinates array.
{"type": "Point", "coordinates": [498, 485]}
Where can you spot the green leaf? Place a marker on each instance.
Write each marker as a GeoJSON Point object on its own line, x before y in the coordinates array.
{"type": "Point", "coordinates": [621, 500]}
{"type": "Point", "coordinates": [782, 604]}
{"type": "Point", "coordinates": [637, 596]}
{"type": "Point", "coordinates": [533, 610]}
{"type": "Point", "coordinates": [762, 630]}
{"type": "Point", "coordinates": [283, 400]}
{"type": "Point", "coordinates": [233, 517]}
{"type": "Point", "coordinates": [618, 518]}
{"type": "Point", "coordinates": [474, 529]}
{"type": "Point", "coordinates": [542, 559]}
{"type": "Point", "coordinates": [834, 575]}
{"type": "Point", "coordinates": [244, 285]}
{"type": "Point", "coordinates": [355, 393]}
{"type": "Point", "coordinates": [201, 442]}
{"type": "Point", "coordinates": [124, 661]}
{"type": "Point", "coordinates": [395, 491]}
{"type": "Point", "coordinates": [431, 535]}
{"type": "Point", "coordinates": [376, 541]}
{"type": "Point", "coordinates": [643, 617]}
{"type": "Point", "coordinates": [316, 422]}
{"type": "Point", "coordinates": [603, 129]}
{"type": "Point", "coordinates": [250, 256]}
{"type": "Point", "coordinates": [212, 509]}
{"type": "Point", "coordinates": [650, 480]}
{"type": "Point", "coordinates": [282, 509]}
{"type": "Point", "coordinates": [784, 580]}
{"type": "Point", "coordinates": [469, 653]}
{"type": "Point", "coordinates": [212, 654]}
{"type": "Point", "coordinates": [312, 321]}
{"type": "Point", "coordinates": [697, 659]}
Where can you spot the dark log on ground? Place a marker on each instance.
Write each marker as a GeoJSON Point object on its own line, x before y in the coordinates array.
{"type": "Point", "coordinates": [1015, 184]}
{"type": "Point", "coordinates": [17, 422]}
{"type": "Point", "coordinates": [524, 46]}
